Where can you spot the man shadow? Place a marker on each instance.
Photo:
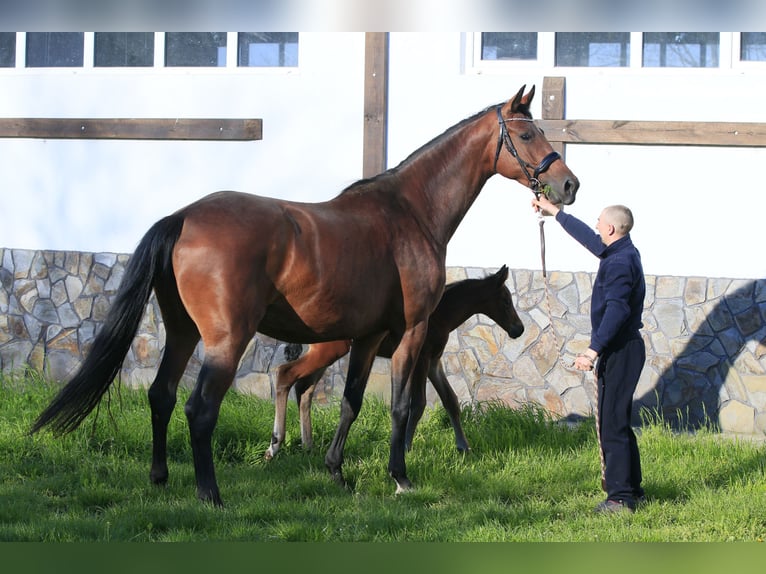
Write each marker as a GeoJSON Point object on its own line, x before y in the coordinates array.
{"type": "Point", "coordinates": [723, 361]}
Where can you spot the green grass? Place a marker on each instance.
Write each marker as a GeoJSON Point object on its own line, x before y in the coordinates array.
{"type": "Point", "coordinates": [528, 478]}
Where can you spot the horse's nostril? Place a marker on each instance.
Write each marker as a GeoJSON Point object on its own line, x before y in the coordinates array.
{"type": "Point", "coordinates": [571, 186]}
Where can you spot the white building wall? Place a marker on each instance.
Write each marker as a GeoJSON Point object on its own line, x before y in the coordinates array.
{"type": "Point", "coordinates": [698, 210]}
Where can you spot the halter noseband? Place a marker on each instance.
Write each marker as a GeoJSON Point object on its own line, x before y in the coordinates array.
{"type": "Point", "coordinates": [505, 138]}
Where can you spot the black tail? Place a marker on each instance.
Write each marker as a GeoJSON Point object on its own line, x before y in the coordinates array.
{"type": "Point", "coordinates": [83, 392]}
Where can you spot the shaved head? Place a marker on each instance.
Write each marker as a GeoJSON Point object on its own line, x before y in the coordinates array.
{"type": "Point", "coordinates": [619, 216]}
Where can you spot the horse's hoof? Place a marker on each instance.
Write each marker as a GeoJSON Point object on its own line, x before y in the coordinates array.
{"type": "Point", "coordinates": [268, 455]}
{"type": "Point", "coordinates": [403, 485]}
{"type": "Point", "coordinates": [159, 478]}
{"type": "Point", "coordinates": [211, 497]}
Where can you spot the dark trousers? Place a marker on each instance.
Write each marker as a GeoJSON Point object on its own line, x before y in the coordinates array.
{"type": "Point", "coordinates": [618, 372]}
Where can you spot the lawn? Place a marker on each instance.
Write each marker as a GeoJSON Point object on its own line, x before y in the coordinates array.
{"type": "Point", "coordinates": [528, 478]}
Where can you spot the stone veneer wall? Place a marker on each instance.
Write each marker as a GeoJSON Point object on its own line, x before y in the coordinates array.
{"type": "Point", "coordinates": [706, 341]}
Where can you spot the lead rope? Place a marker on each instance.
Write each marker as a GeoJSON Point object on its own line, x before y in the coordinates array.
{"type": "Point", "coordinates": [570, 366]}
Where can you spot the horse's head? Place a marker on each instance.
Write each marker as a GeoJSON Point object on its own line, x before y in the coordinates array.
{"type": "Point", "coordinates": [530, 159]}
{"type": "Point", "coordinates": [500, 305]}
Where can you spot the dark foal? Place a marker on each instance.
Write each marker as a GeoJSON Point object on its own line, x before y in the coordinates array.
{"type": "Point", "coordinates": [488, 296]}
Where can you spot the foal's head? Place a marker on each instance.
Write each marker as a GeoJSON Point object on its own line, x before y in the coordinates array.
{"type": "Point", "coordinates": [499, 304]}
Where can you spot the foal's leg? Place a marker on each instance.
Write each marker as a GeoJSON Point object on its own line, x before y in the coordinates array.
{"type": "Point", "coordinates": [304, 371]}
{"type": "Point", "coordinates": [451, 404]}
{"type": "Point", "coordinates": [359, 366]}
{"type": "Point", "coordinates": [287, 375]}
{"type": "Point", "coordinates": [304, 395]}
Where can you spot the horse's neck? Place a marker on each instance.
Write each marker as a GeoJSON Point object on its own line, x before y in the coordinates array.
{"type": "Point", "coordinates": [446, 178]}
{"type": "Point", "coordinates": [458, 303]}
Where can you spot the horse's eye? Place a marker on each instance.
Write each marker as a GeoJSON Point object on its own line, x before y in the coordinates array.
{"type": "Point", "coordinates": [526, 136]}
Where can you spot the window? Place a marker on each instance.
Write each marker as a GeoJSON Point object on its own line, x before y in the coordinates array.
{"type": "Point", "coordinates": [269, 49]}
{"type": "Point", "coordinates": [593, 49]}
{"type": "Point", "coordinates": [498, 51]}
{"type": "Point", "coordinates": [195, 49]}
{"type": "Point", "coordinates": [681, 49]}
{"type": "Point", "coordinates": [54, 49]}
{"type": "Point", "coordinates": [509, 46]}
{"type": "Point", "coordinates": [752, 47]}
{"type": "Point", "coordinates": [126, 49]}
{"type": "Point", "coordinates": [7, 49]}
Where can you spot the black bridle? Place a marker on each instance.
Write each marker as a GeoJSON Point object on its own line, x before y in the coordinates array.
{"type": "Point", "coordinates": [505, 138]}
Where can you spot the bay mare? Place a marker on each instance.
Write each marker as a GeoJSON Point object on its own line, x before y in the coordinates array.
{"type": "Point", "coordinates": [367, 264]}
{"type": "Point", "coordinates": [488, 296]}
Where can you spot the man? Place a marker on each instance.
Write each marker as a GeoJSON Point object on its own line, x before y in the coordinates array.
{"type": "Point", "coordinates": [616, 306]}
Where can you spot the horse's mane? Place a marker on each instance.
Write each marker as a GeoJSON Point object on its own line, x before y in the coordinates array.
{"type": "Point", "coordinates": [428, 146]}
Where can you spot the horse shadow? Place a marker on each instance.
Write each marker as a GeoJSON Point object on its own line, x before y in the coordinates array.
{"type": "Point", "coordinates": [724, 360]}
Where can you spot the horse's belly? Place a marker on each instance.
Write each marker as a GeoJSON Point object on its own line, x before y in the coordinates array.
{"type": "Point", "coordinates": [282, 322]}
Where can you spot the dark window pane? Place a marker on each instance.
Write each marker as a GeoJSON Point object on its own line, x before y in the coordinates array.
{"type": "Point", "coordinates": [593, 49]}
{"type": "Point", "coordinates": [681, 49]}
{"type": "Point", "coordinates": [509, 45]}
{"type": "Point", "coordinates": [124, 49]}
{"type": "Point", "coordinates": [195, 49]}
{"type": "Point", "coordinates": [54, 49]}
{"type": "Point", "coordinates": [268, 49]}
{"type": "Point", "coordinates": [753, 47]}
{"type": "Point", "coordinates": [7, 49]}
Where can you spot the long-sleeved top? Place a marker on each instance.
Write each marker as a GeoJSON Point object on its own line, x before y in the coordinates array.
{"type": "Point", "coordinates": [617, 301]}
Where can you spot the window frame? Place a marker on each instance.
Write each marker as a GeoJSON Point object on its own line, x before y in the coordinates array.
{"type": "Point", "coordinates": [728, 59]}
{"type": "Point", "coordinates": [158, 66]}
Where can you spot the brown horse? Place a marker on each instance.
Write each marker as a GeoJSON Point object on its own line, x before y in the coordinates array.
{"type": "Point", "coordinates": [364, 265]}
{"type": "Point", "coordinates": [488, 296]}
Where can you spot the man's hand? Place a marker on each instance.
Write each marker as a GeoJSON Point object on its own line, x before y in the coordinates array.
{"type": "Point", "coordinates": [586, 360]}
{"type": "Point", "coordinates": [544, 204]}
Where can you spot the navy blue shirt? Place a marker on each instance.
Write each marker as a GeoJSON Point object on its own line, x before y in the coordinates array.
{"type": "Point", "coordinates": [617, 301]}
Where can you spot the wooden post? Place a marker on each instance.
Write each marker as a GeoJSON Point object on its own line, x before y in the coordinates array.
{"type": "Point", "coordinates": [554, 92]}
{"type": "Point", "coordinates": [375, 103]}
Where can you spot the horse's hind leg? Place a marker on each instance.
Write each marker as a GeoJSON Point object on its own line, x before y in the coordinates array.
{"type": "Point", "coordinates": [162, 399]}
{"type": "Point", "coordinates": [202, 409]}
{"type": "Point", "coordinates": [180, 340]}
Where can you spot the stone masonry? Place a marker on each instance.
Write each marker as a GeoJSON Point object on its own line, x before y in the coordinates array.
{"type": "Point", "coordinates": [705, 338]}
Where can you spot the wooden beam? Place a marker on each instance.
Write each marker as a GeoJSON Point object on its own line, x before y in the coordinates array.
{"type": "Point", "coordinates": [133, 129]}
{"type": "Point", "coordinates": [554, 94]}
{"type": "Point", "coordinates": [729, 134]}
{"type": "Point", "coordinates": [375, 144]}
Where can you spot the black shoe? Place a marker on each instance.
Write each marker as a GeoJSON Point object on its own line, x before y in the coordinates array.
{"type": "Point", "coordinates": [615, 506]}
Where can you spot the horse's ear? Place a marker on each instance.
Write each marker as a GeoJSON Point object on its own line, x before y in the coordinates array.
{"type": "Point", "coordinates": [520, 102]}
{"type": "Point", "coordinates": [527, 100]}
{"type": "Point", "coordinates": [516, 100]}
{"type": "Point", "coordinates": [502, 274]}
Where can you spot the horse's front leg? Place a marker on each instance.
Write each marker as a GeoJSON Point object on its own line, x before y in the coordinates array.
{"type": "Point", "coordinates": [402, 370]}
{"type": "Point", "coordinates": [359, 365]}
